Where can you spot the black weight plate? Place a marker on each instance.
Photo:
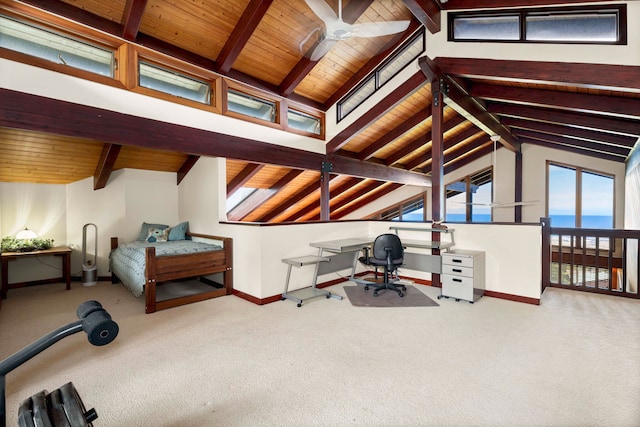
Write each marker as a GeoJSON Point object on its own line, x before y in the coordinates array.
{"type": "Point", "coordinates": [41, 410]}
{"type": "Point", "coordinates": [56, 410]}
{"type": "Point", "coordinates": [73, 405]}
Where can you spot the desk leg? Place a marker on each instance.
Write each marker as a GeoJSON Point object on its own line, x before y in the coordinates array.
{"type": "Point", "coordinates": [5, 278]}
{"type": "Point", "coordinates": [66, 269]}
{"type": "Point", "coordinates": [315, 280]}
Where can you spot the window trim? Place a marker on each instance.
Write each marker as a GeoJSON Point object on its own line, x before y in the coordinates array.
{"type": "Point", "coordinates": [620, 10]}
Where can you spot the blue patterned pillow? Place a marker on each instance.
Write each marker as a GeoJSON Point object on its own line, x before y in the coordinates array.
{"type": "Point", "coordinates": [158, 235]}
{"type": "Point", "coordinates": [144, 230]}
{"type": "Point", "coordinates": [179, 231]}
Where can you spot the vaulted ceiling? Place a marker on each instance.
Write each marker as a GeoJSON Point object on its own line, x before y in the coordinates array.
{"type": "Point", "coordinates": [593, 109]}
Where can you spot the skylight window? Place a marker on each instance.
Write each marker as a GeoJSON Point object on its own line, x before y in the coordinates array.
{"type": "Point", "coordinates": [54, 47]}
{"type": "Point", "coordinates": [173, 83]}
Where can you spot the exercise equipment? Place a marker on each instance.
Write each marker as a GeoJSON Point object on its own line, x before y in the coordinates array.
{"type": "Point", "coordinates": [62, 407]}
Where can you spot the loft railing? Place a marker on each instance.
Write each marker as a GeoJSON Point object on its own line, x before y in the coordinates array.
{"type": "Point", "coordinates": [592, 260]}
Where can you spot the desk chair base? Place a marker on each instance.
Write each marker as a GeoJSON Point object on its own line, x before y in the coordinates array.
{"type": "Point", "coordinates": [400, 289]}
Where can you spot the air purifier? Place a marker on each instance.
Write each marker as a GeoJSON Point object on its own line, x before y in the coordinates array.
{"type": "Point", "coordinates": [89, 264]}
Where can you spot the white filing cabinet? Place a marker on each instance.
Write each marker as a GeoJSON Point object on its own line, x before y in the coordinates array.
{"type": "Point", "coordinates": [462, 275]}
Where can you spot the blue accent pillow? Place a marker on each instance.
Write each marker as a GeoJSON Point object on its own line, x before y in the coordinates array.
{"type": "Point", "coordinates": [144, 230]}
{"type": "Point", "coordinates": [179, 231]}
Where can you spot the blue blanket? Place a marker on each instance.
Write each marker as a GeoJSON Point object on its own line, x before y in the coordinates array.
{"type": "Point", "coordinates": [128, 260]}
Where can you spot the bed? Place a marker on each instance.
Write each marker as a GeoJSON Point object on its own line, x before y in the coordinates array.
{"type": "Point", "coordinates": [173, 273]}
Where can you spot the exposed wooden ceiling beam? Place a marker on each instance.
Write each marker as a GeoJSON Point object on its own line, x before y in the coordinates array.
{"type": "Point", "coordinates": [132, 17]}
{"type": "Point", "coordinates": [395, 133]}
{"type": "Point", "coordinates": [480, 150]}
{"type": "Point", "coordinates": [572, 149]}
{"type": "Point", "coordinates": [105, 165]}
{"type": "Point", "coordinates": [260, 196]}
{"type": "Point", "coordinates": [361, 191]}
{"type": "Point", "coordinates": [449, 143]}
{"type": "Point", "coordinates": [291, 201]}
{"type": "Point", "coordinates": [186, 167]}
{"type": "Point", "coordinates": [427, 12]}
{"type": "Point", "coordinates": [582, 102]}
{"type": "Point", "coordinates": [421, 141]}
{"type": "Point", "coordinates": [25, 111]}
{"type": "Point", "coordinates": [597, 76]}
{"type": "Point", "coordinates": [587, 121]}
{"type": "Point", "coordinates": [587, 146]}
{"type": "Point", "coordinates": [588, 134]}
{"type": "Point", "coordinates": [242, 177]}
{"type": "Point", "coordinates": [241, 33]}
{"type": "Point", "coordinates": [383, 188]}
{"type": "Point", "coordinates": [458, 98]}
{"type": "Point", "coordinates": [411, 85]}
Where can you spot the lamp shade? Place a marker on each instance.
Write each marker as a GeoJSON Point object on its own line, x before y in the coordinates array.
{"type": "Point", "coordinates": [26, 234]}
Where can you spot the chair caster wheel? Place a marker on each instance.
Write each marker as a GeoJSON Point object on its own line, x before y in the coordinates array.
{"type": "Point", "coordinates": [401, 294]}
{"type": "Point", "coordinates": [457, 299]}
{"type": "Point", "coordinates": [439, 296]}
{"type": "Point", "coordinates": [299, 304]}
{"type": "Point", "coordinates": [375, 294]}
{"type": "Point", "coordinates": [328, 296]}
{"type": "Point", "coordinates": [366, 288]}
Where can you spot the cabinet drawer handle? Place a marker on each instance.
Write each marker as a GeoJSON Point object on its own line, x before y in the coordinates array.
{"type": "Point", "coordinates": [457, 280]}
{"type": "Point", "coordinates": [456, 260]}
{"type": "Point", "coordinates": [456, 270]}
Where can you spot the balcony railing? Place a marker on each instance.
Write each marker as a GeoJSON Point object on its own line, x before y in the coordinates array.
{"type": "Point", "coordinates": [592, 260]}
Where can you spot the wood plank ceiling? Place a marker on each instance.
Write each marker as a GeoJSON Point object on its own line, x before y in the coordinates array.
{"type": "Point", "coordinates": [591, 109]}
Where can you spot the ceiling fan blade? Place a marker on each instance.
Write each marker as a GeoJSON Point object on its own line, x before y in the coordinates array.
{"type": "Point", "coordinates": [321, 50]}
{"type": "Point", "coordinates": [377, 29]}
{"type": "Point", "coordinates": [322, 11]}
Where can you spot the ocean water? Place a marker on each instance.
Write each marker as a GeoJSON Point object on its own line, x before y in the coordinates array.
{"type": "Point", "coordinates": [588, 221]}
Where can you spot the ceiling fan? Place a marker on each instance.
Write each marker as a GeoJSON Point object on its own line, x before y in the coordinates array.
{"type": "Point", "coordinates": [494, 163]}
{"type": "Point", "coordinates": [336, 29]}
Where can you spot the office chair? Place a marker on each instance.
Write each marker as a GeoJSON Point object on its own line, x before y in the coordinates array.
{"type": "Point", "coordinates": [388, 252]}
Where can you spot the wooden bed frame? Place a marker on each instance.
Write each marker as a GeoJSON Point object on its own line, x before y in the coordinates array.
{"type": "Point", "coordinates": [173, 267]}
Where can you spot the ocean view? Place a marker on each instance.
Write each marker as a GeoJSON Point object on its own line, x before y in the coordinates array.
{"type": "Point", "coordinates": [588, 221]}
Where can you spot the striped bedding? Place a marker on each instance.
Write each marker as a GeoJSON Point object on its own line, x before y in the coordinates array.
{"type": "Point", "coordinates": [128, 260]}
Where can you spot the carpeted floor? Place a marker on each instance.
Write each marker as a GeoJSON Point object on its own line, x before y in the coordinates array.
{"type": "Point", "coordinates": [359, 297]}
{"type": "Point", "coordinates": [572, 361]}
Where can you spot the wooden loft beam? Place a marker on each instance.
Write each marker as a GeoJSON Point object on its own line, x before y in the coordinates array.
{"type": "Point", "coordinates": [26, 111]}
{"type": "Point", "coordinates": [186, 167]}
{"type": "Point", "coordinates": [596, 76]}
{"type": "Point", "coordinates": [412, 84]}
{"type": "Point", "coordinates": [427, 12]}
{"type": "Point", "coordinates": [575, 132]}
{"type": "Point", "coordinates": [291, 201]}
{"type": "Point", "coordinates": [460, 100]}
{"type": "Point", "coordinates": [607, 106]}
{"type": "Point", "coordinates": [241, 33]}
{"type": "Point", "coordinates": [588, 121]}
{"type": "Point", "coordinates": [105, 165]}
{"type": "Point", "coordinates": [572, 149]}
{"type": "Point", "coordinates": [481, 150]}
{"type": "Point", "coordinates": [588, 146]}
{"type": "Point", "coordinates": [132, 17]}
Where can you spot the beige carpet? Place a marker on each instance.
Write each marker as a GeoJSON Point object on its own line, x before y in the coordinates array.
{"type": "Point", "coordinates": [573, 361]}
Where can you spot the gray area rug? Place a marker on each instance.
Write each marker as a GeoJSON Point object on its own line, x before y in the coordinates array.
{"type": "Point", "coordinates": [387, 298]}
